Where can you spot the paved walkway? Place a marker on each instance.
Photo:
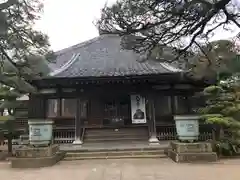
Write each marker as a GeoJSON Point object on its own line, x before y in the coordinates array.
{"type": "Point", "coordinates": [141, 169]}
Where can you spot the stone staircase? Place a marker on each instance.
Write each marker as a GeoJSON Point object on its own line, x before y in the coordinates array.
{"type": "Point", "coordinates": [110, 143]}
{"type": "Point", "coordinates": [119, 153]}
{"type": "Point", "coordinates": [116, 135]}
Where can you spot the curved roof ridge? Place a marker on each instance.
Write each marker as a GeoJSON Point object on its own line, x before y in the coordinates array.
{"type": "Point", "coordinates": [66, 65]}
{"type": "Point", "coordinates": [83, 44]}
{"type": "Point", "coordinates": [170, 67]}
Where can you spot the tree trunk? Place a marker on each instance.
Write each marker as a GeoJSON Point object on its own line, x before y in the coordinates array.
{"type": "Point", "coordinates": [9, 138]}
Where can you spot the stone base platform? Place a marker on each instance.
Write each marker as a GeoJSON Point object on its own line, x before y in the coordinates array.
{"type": "Point", "coordinates": [191, 152]}
{"type": "Point", "coordinates": [3, 155]}
{"type": "Point", "coordinates": [37, 162]}
{"type": "Point", "coordinates": [30, 151]}
{"type": "Point", "coordinates": [36, 157]}
{"type": "Point", "coordinates": [192, 157]}
{"type": "Point", "coordinates": [197, 147]}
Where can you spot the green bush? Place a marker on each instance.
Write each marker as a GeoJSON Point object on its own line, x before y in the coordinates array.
{"type": "Point", "coordinates": [223, 110]}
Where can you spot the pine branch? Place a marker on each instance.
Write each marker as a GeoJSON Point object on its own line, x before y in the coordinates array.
{"type": "Point", "coordinates": [5, 5]}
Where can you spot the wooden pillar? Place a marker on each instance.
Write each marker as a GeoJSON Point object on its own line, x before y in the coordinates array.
{"type": "Point", "coordinates": [150, 116]}
{"type": "Point", "coordinates": [173, 108]}
{"type": "Point", "coordinates": [154, 117]}
{"type": "Point", "coordinates": [59, 102]}
{"type": "Point", "coordinates": [153, 137]}
{"type": "Point", "coordinates": [78, 123]}
{"type": "Point", "coordinates": [59, 107]}
{"type": "Point", "coordinates": [173, 101]}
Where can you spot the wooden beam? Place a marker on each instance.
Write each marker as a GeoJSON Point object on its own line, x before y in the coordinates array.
{"type": "Point", "coordinates": [183, 86]}
{"type": "Point", "coordinates": [161, 87]}
{"type": "Point", "coordinates": [47, 91]}
{"type": "Point", "coordinates": [68, 90]}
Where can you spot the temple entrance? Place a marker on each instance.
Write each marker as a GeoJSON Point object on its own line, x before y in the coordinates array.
{"type": "Point", "coordinates": [109, 111]}
{"type": "Point", "coordinates": [116, 111]}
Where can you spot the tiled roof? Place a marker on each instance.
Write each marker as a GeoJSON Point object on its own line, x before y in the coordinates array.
{"type": "Point", "coordinates": [104, 56]}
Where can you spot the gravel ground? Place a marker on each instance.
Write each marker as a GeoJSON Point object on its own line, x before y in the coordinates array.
{"type": "Point", "coordinates": [128, 169]}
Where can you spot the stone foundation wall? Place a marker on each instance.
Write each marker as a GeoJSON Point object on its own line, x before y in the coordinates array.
{"type": "Point", "coordinates": [191, 152]}
{"type": "Point", "coordinates": [3, 155]}
{"type": "Point", "coordinates": [191, 147]}
{"type": "Point", "coordinates": [193, 157]}
{"type": "Point", "coordinates": [27, 151]}
{"type": "Point", "coordinates": [37, 162]}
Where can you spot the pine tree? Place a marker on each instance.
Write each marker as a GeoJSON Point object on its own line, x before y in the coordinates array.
{"type": "Point", "coordinates": [174, 23]}
{"type": "Point", "coordinates": [8, 103]}
{"type": "Point", "coordinates": [23, 55]}
{"type": "Point", "coordinates": [223, 110]}
{"type": "Point", "coordinates": [20, 44]}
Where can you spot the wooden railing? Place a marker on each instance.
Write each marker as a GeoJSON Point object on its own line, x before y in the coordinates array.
{"type": "Point", "coordinates": [164, 132]}
{"type": "Point", "coordinates": [64, 131]}
{"type": "Point", "coordinates": [21, 122]}
{"type": "Point", "coordinates": [169, 132]}
{"type": "Point", "coordinates": [63, 135]}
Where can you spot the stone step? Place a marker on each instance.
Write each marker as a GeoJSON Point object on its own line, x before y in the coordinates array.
{"type": "Point", "coordinates": [114, 135]}
{"type": "Point", "coordinates": [114, 154]}
{"type": "Point", "coordinates": [122, 134]}
{"type": "Point", "coordinates": [114, 148]}
{"type": "Point", "coordinates": [116, 130]}
{"type": "Point", "coordinates": [113, 139]}
{"type": "Point", "coordinates": [120, 128]}
{"type": "Point", "coordinates": [114, 157]}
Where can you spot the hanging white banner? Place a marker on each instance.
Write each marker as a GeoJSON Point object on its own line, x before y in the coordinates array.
{"type": "Point", "coordinates": [138, 109]}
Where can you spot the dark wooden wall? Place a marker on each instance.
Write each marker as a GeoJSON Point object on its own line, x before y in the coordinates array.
{"type": "Point", "coordinates": [96, 110]}
{"type": "Point", "coordinates": [37, 107]}
{"type": "Point", "coordinates": [97, 95]}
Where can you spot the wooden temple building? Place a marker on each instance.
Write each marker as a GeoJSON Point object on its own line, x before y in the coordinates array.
{"type": "Point", "coordinates": [98, 91]}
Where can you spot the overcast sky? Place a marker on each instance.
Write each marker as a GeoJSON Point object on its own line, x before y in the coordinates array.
{"type": "Point", "coordinates": [71, 22]}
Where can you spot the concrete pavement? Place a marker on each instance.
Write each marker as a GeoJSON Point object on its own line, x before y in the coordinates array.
{"type": "Point", "coordinates": [126, 169]}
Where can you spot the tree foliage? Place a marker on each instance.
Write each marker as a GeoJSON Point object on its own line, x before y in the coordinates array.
{"type": "Point", "coordinates": [184, 24]}
{"type": "Point", "coordinates": [221, 57]}
{"type": "Point", "coordinates": [23, 53]}
{"type": "Point", "coordinates": [223, 110]}
{"type": "Point", "coordinates": [22, 49]}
